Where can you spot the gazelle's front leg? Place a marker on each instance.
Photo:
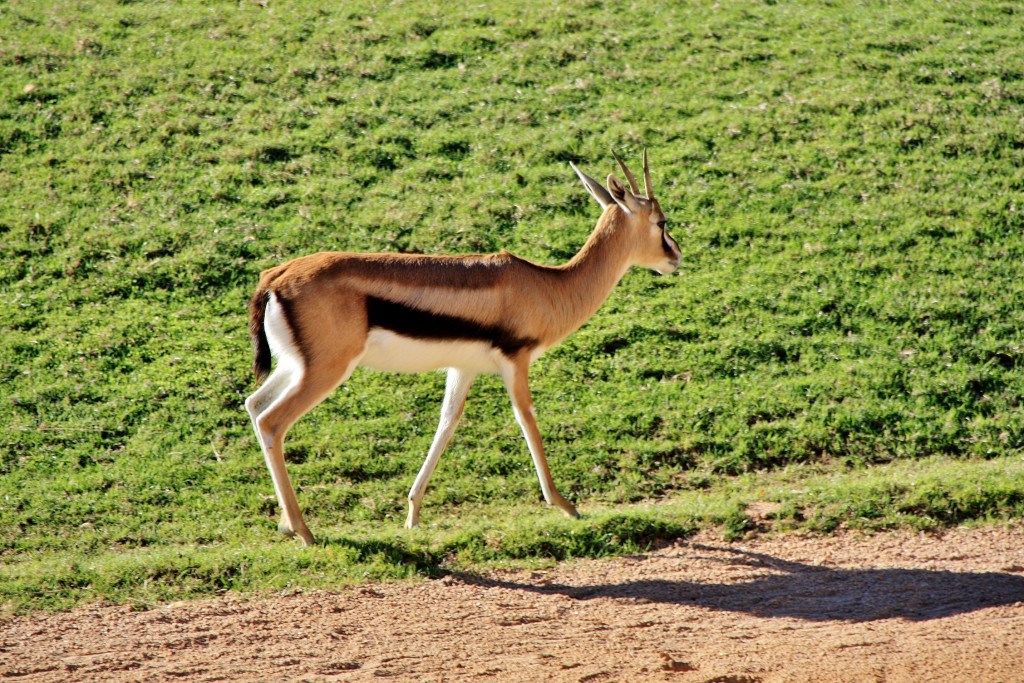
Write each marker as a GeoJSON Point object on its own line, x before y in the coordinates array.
{"type": "Point", "coordinates": [516, 379]}
{"type": "Point", "coordinates": [456, 388]}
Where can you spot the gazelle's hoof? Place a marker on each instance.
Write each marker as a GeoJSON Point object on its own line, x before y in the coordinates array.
{"type": "Point", "coordinates": [567, 508]}
{"type": "Point", "coordinates": [304, 534]}
{"type": "Point", "coordinates": [413, 520]}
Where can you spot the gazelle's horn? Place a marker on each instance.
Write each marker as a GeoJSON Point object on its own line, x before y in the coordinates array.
{"type": "Point", "coordinates": [629, 175]}
{"type": "Point", "coordinates": [648, 185]}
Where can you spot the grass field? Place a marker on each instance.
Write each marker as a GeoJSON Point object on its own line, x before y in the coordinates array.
{"type": "Point", "coordinates": [844, 338]}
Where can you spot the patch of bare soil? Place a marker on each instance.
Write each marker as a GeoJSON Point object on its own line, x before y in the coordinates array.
{"type": "Point", "coordinates": [890, 607]}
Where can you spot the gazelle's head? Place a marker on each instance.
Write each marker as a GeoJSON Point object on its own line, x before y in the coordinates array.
{"type": "Point", "coordinates": [652, 246]}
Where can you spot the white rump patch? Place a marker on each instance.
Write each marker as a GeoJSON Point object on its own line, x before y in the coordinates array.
{"type": "Point", "coordinates": [280, 338]}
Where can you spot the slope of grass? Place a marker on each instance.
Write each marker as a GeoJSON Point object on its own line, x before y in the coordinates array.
{"type": "Point", "coordinates": [846, 182]}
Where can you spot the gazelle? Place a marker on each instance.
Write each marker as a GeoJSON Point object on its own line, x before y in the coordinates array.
{"type": "Point", "coordinates": [325, 314]}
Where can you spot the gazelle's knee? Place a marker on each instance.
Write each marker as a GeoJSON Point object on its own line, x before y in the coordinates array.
{"type": "Point", "coordinates": [258, 403]}
{"type": "Point", "coordinates": [268, 430]}
{"type": "Point", "coordinates": [253, 406]}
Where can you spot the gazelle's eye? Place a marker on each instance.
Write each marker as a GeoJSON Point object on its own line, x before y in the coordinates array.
{"type": "Point", "coordinates": [661, 224]}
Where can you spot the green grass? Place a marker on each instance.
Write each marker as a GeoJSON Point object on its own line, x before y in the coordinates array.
{"type": "Point", "coordinates": [845, 338]}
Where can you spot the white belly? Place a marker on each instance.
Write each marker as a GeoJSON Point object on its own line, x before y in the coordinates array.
{"type": "Point", "coordinates": [386, 350]}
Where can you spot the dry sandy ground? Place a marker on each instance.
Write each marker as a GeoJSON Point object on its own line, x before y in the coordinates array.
{"type": "Point", "coordinates": [890, 608]}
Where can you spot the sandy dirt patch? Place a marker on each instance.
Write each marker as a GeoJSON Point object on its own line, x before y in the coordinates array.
{"type": "Point", "coordinates": [884, 608]}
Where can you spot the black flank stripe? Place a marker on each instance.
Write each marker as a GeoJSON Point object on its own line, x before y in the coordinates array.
{"type": "Point", "coordinates": [419, 324]}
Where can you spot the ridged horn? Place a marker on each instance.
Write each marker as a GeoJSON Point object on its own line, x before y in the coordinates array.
{"type": "Point", "coordinates": [648, 185]}
{"type": "Point", "coordinates": [629, 175]}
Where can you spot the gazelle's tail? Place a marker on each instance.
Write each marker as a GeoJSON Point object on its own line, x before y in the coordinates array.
{"type": "Point", "coordinates": [258, 334]}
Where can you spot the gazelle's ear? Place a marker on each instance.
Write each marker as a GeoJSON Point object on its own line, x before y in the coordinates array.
{"type": "Point", "coordinates": [622, 196]}
{"type": "Point", "coordinates": [594, 188]}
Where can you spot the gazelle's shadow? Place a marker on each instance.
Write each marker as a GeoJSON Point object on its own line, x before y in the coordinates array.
{"type": "Point", "coordinates": [813, 593]}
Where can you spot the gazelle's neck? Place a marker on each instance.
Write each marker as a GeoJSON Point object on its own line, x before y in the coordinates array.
{"type": "Point", "coordinates": [589, 277]}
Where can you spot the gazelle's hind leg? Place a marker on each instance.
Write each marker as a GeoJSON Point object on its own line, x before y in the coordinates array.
{"type": "Point", "coordinates": [456, 388]}
{"type": "Point", "coordinates": [257, 404]}
{"type": "Point", "coordinates": [308, 368]}
{"type": "Point", "coordinates": [515, 375]}
{"type": "Point", "coordinates": [269, 391]}
{"type": "Point", "coordinates": [296, 394]}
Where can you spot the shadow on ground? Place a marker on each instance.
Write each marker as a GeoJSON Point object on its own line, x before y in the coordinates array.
{"type": "Point", "coordinates": [790, 589]}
